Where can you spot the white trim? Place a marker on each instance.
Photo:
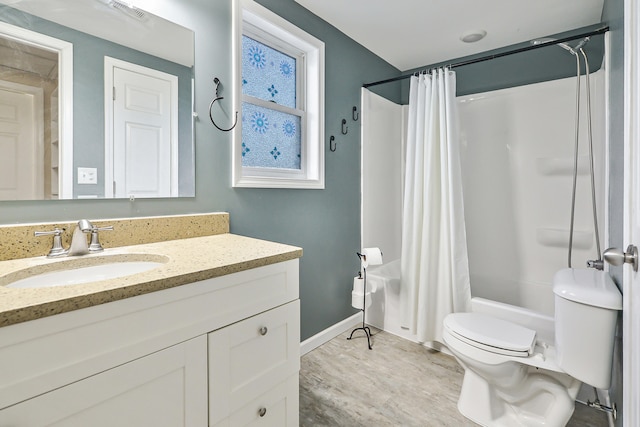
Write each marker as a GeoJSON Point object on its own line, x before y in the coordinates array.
{"type": "Point", "coordinates": [631, 310]}
{"type": "Point", "coordinates": [109, 64]}
{"type": "Point", "coordinates": [313, 97]}
{"type": "Point", "coordinates": [607, 141]}
{"type": "Point", "coordinates": [65, 97]}
{"type": "Point", "coordinates": [273, 106]}
{"type": "Point", "coordinates": [330, 333]}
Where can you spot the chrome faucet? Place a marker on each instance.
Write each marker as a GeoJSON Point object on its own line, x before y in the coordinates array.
{"type": "Point", "coordinates": [79, 245]}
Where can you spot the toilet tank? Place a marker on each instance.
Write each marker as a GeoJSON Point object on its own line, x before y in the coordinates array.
{"type": "Point", "coordinates": [586, 310]}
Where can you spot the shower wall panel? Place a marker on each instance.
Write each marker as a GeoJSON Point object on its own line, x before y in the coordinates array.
{"type": "Point", "coordinates": [517, 163]}
{"type": "Point", "coordinates": [382, 174]}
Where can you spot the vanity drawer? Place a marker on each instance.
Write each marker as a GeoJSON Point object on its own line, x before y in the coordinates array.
{"type": "Point", "coordinates": [251, 357]}
{"type": "Point", "coordinates": [276, 408]}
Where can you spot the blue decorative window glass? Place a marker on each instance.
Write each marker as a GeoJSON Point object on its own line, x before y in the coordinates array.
{"type": "Point", "coordinates": [271, 121]}
{"type": "Point", "coordinates": [270, 138]}
{"type": "Point", "coordinates": [267, 73]}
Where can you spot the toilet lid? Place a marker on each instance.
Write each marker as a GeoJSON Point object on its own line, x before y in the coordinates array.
{"type": "Point", "coordinates": [492, 334]}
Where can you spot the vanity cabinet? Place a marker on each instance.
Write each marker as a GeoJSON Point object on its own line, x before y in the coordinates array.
{"type": "Point", "coordinates": [217, 352]}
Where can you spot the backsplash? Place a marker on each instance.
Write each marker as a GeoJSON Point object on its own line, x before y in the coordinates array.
{"type": "Point", "coordinates": [18, 241]}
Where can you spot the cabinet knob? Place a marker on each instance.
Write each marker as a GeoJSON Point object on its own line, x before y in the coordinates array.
{"type": "Point", "coordinates": [262, 412]}
{"type": "Point", "coordinates": [263, 330]}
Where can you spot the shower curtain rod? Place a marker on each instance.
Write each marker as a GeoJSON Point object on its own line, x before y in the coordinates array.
{"type": "Point", "coordinates": [498, 55]}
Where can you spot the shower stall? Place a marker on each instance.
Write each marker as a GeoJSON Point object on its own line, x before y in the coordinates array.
{"type": "Point", "coordinates": [517, 162]}
{"type": "Point", "coordinates": [517, 159]}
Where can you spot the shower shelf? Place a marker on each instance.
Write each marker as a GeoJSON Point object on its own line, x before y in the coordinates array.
{"type": "Point", "coordinates": [560, 238]}
{"type": "Point", "coordinates": [561, 165]}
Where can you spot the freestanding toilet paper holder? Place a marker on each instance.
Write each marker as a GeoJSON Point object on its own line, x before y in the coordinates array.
{"type": "Point", "coordinates": [364, 328]}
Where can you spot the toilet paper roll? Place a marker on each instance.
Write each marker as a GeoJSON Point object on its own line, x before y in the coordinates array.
{"type": "Point", "coordinates": [357, 300]}
{"type": "Point", "coordinates": [358, 284]}
{"type": "Point", "coordinates": [372, 256]}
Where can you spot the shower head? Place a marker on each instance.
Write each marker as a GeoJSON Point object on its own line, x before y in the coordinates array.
{"type": "Point", "coordinates": [581, 44]}
{"type": "Point", "coordinates": [573, 50]}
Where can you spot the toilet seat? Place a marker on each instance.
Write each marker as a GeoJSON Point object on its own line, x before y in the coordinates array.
{"type": "Point", "coordinates": [491, 334]}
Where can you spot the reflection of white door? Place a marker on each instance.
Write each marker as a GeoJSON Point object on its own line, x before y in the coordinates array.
{"type": "Point", "coordinates": [21, 143]}
{"type": "Point", "coordinates": [144, 146]}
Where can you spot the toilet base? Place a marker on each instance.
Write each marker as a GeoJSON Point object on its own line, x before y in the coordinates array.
{"type": "Point", "coordinates": [543, 398]}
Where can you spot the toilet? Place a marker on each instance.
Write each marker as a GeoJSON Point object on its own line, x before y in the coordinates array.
{"type": "Point", "coordinates": [514, 376]}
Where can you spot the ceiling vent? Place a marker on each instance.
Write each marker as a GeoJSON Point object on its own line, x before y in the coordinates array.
{"type": "Point", "coordinates": [128, 9]}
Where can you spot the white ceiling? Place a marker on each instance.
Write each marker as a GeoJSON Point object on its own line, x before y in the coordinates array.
{"type": "Point", "coordinates": [413, 33]}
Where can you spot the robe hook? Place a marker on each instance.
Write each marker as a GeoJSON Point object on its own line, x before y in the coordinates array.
{"type": "Point", "coordinates": [217, 82]}
{"type": "Point", "coordinates": [332, 143]}
{"type": "Point", "coordinates": [355, 114]}
{"type": "Point", "coordinates": [345, 129]}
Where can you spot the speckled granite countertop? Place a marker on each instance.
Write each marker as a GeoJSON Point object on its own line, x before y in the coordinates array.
{"type": "Point", "coordinates": [187, 260]}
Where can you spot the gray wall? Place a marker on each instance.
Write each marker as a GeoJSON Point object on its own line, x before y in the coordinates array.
{"type": "Point", "coordinates": [613, 15]}
{"type": "Point", "coordinates": [88, 108]}
{"type": "Point", "coordinates": [325, 223]}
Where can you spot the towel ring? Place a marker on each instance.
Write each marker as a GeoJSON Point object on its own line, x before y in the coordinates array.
{"type": "Point", "coordinates": [217, 98]}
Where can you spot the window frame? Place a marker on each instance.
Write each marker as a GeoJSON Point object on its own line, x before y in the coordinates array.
{"type": "Point", "coordinates": [262, 25]}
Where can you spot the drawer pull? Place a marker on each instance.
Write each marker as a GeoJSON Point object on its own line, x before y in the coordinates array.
{"type": "Point", "coordinates": [263, 330]}
{"type": "Point", "coordinates": [262, 412]}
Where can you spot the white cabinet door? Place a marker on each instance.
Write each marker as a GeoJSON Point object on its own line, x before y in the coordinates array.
{"type": "Point", "coordinates": [164, 389]}
{"type": "Point", "coordinates": [250, 358]}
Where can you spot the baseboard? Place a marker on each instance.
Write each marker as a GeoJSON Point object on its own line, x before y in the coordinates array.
{"type": "Point", "coordinates": [351, 322]}
{"type": "Point", "coordinates": [328, 334]}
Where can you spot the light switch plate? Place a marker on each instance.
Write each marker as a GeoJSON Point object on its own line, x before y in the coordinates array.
{"type": "Point", "coordinates": [87, 175]}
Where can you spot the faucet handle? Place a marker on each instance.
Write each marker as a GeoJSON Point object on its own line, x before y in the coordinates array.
{"type": "Point", "coordinates": [95, 245]}
{"type": "Point", "coordinates": [56, 249]}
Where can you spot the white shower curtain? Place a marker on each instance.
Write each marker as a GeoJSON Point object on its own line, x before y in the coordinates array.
{"type": "Point", "coordinates": [434, 263]}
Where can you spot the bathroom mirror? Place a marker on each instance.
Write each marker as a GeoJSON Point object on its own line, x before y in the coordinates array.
{"type": "Point", "coordinates": [96, 101]}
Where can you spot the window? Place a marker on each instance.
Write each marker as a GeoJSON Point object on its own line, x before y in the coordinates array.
{"type": "Point", "coordinates": [281, 75]}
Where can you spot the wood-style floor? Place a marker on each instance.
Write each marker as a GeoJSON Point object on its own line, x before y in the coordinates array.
{"type": "Point", "coordinates": [398, 383]}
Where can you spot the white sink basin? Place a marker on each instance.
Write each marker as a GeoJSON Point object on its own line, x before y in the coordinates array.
{"type": "Point", "coordinates": [83, 270]}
